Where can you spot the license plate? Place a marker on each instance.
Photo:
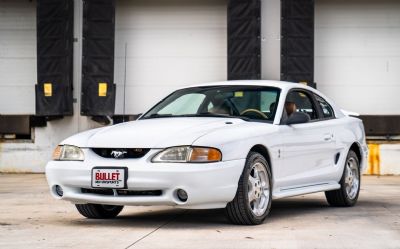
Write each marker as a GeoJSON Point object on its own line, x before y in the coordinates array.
{"type": "Point", "coordinates": [109, 177]}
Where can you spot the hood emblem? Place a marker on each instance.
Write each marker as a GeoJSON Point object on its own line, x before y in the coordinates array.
{"type": "Point", "coordinates": [118, 153]}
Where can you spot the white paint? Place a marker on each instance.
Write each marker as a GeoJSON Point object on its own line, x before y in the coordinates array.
{"type": "Point", "coordinates": [170, 44]}
{"type": "Point", "coordinates": [271, 39]}
{"type": "Point", "coordinates": [389, 159]}
{"type": "Point", "coordinates": [200, 181]}
{"type": "Point", "coordinates": [357, 54]}
{"type": "Point", "coordinates": [17, 57]}
{"type": "Point", "coordinates": [287, 146]}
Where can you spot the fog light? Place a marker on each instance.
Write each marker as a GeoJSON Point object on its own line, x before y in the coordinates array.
{"type": "Point", "coordinates": [59, 190]}
{"type": "Point", "coordinates": [182, 195]}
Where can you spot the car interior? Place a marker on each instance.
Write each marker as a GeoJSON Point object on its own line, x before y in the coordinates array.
{"type": "Point", "coordinates": [298, 101]}
{"type": "Point", "coordinates": [243, 103]}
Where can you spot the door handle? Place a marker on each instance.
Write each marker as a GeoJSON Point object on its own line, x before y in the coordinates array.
{"type": "Point", "coordinates": [328, 137]}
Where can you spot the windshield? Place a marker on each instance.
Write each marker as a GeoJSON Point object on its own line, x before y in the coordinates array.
{"type": "Point", "coordinates": [246, 102]}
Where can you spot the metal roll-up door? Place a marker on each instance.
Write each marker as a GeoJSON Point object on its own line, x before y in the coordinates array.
{"type": "Point", "coordinates": [17, 57]}
{"type": "Point", "coordinates": [357, 54]}
{"type": "Point", "coordinates": [357, 59]}
{"type": "Point", "coordinates": [170, 44]}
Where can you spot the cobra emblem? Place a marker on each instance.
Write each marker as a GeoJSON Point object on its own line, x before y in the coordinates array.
{"type": "Point", "coordinates": [118, 153]}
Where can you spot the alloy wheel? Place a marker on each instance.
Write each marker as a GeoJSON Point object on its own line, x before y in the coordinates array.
{"type": "Point", "coordinates": [258, 189]}
{"type": "Point", "coordinates": [352, 178]}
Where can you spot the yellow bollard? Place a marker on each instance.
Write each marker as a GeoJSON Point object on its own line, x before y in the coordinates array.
{"type": "Point", "coordinates": [373, 160]}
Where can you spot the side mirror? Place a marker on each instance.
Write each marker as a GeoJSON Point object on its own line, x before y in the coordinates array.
{"type": "Point", "coordinates": [298, 118]}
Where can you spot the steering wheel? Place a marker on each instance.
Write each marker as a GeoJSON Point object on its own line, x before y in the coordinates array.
{"type": "Point", "coordinates": [259, 113]}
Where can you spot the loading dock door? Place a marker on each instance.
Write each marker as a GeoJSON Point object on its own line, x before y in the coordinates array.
{"type": "Point", "coordinates": [17, 57]}
{"type": "Point", "coordinates": [170, 44]}
{"type": "Point", "coordinates": [357, 54]}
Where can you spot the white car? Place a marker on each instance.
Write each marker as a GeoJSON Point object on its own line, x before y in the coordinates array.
{"type": "Point", "coordinates": [235, 145]}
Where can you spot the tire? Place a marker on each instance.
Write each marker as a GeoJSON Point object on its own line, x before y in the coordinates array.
{"type": "Point", "coordinates": [350, 183]}
{"type": "Point", "coordinates": [97, 211]}
{"type": "Point", "coordinates": [257, 186]}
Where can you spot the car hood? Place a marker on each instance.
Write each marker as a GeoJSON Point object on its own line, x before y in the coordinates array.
{"type": "Point", "coordinates": [152, 133]}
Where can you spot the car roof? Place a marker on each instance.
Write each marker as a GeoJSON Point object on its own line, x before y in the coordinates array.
{"type": "Point", "coordinates": [271, 83]}
{"type": "Point", "coordinates": [285, 86]}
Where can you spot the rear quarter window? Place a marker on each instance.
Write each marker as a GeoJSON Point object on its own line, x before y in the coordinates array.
{"type": "Point", "coordinates": [327, 110]}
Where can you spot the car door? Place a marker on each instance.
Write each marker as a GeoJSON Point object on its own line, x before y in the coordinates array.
{"type": "Point", "coordinates": [306, 148]}
{"type": "Point", "coordinates": [334, 127]}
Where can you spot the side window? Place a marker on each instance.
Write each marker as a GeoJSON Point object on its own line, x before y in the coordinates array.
{"type": "Point", "coordinates": [327, 110]}
{"type": "Point", "coordinates": [268, 102]}
{"type": "Point", "coordinates": [300, 101]}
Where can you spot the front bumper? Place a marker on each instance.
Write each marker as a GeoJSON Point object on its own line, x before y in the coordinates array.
{"type": "Point", "coordinates": [208, 185]}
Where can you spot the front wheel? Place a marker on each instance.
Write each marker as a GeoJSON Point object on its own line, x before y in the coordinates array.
{"type": "Point", "coordinates": [252, 201]}
{"type": "Point", "coordinates": [349, 190]}
{"type": "Point", "coordinates": [97, 211]}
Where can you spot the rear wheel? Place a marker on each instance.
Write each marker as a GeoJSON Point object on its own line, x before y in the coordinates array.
{"type": "Point", "coordinates": [98, 211]}
{"type": "Point", "coordinates": [252, 202]}
{"type": "Point", "coordinates": [349, 190]}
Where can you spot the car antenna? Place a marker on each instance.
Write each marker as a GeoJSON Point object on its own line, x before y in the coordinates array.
{"type": "Point", "coordinates": [123, 109]}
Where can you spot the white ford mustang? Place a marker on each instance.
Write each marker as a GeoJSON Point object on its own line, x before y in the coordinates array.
{"type": "Point", "coordinates": [235, 145]}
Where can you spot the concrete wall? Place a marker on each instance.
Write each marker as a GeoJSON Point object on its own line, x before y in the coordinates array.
{"type": "Point", "coordinates": [384, 159]}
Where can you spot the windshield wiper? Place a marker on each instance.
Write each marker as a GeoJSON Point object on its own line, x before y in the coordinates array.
{"type": "Point", "coordinates": [156, 115]}
{"type": "Point", "coordinates": [203, 114]}
{"type": "Point", "coordinates": [218, 115]}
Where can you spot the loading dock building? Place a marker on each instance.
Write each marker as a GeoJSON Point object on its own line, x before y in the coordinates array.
{"type": "Point", "coordinates": [70, 65]}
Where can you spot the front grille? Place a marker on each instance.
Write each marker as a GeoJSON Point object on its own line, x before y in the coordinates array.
{"type": "Point", "coordinates": [120, 153]}
{"type": "Point", "coordinates": [121, 192]}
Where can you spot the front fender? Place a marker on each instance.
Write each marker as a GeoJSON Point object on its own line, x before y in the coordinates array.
{"type": "Point", "coordinates": [236, 142]}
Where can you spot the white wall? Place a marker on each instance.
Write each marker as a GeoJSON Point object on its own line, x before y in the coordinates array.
{"type": "Point", "coordinates": [271, 39]}
{"type": "Point", "coordinates": [170, 44]}
{"type": "Point", "coordinates": [31, 156]}
{"type": "Point", "coordinates": [357, 54]}
{"type": "Point", "coordinates": [389, 159]}
{"type": "Point", "coordinates": [17, 56]}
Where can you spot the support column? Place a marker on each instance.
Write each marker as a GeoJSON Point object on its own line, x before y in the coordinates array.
{"type": "Point", "coordinates": [271, 39]}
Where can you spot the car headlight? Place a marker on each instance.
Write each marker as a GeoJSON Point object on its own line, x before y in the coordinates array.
{"type": "Point", "coordinates": [183, 154]}
{"type": "Point", "coordinates": [68, 153]}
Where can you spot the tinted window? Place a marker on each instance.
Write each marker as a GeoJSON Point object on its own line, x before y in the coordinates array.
{"type": "Point", "coordinates": [299, 101]}
{"type": "Point", "coordinates": [186, 104]}
{"type": "Point", "coordinates": [327, 110]}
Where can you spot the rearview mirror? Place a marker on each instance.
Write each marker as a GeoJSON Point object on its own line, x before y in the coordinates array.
{"type": "Point", "coordinates": [298, 118]}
